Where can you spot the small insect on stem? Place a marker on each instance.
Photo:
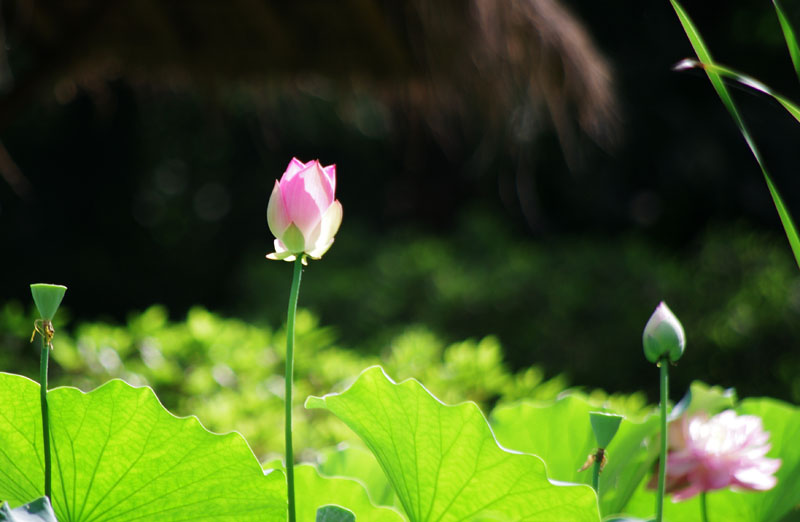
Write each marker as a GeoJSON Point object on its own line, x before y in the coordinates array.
{"type": "Point", "coordinates": [44, 328]}
{"type": "Point", "coordinates": [599, 455]}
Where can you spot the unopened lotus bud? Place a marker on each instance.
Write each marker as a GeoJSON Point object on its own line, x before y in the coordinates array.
{"type": "Point", "coordinates": [663, 336]}
{"type": "Point", "coordinates": [303, 213]}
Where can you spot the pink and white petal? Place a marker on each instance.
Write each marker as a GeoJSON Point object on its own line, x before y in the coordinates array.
{"type": "Point", "coordinates": [331, 221]}
{"type": "Point", "coordinates": [281, 253]}
{"type": "Point", "coordinates": [768, 466]}
{"type": "Point", "coordinates": [753, 478]}
{"type": "Point", "coordinates": [294, 167]}
{"type": "Point", "coordinates": [330, 173]}
{"type": "Point", "coordinates": [302, 206]}
{"type": "Point", "coordinates": [320, 250]}
{"type": "Point", "coordinates": [680, 463]}
{"type": "Point", "coordinates": [327, 229]}
{"type": "Point", "coordinates": [313, 237]}
{"type": "Point", "coordinates": [687, 493]}
{"type": "Point", "coordinates": [318, 184]}
{"type": "Point", "coordinates": [277, 219]}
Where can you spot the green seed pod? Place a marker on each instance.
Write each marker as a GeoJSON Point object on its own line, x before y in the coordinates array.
{"type": "Point", "coordinates": [605, 426]}
{"type": "Point", "coordinates": [663, 336]}
{"type": "Point", "coordinates": [47, 298]}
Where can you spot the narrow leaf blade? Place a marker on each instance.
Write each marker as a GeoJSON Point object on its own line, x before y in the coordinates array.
{"type": "Point", "coordinates": [716, 80]}
{"type": "Point", "coordinates": [744, 80]}
{"type": "Point", "coordinates": [788, 35]}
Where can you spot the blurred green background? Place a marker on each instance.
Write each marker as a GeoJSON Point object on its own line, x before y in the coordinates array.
{"type": "Point", "coordinates": [531, 171]}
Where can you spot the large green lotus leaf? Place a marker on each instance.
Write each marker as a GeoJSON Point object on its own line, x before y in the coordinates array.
{"type": "Point", "coordinates": [560, 433]}
{"type": "Point", "coordinates": [359, 463]}
{"type": "Point", "coordinates": [37, 511]}
{"type": "Point", "coordinates": [782, 421]}
{"type": "Point", "coordinates": [444, 461]}
{"type": "Point", "coordinates": [119, 455]}
{"type": "Point", "coordinates": [314, 491]}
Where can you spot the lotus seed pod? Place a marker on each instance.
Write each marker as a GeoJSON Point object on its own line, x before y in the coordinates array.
{"type": "Point", "coordinates": [47, 298]}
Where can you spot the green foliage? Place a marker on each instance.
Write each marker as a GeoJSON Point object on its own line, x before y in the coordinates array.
{"type": "Point", "coordinates": [118, 453]}
{"type": "Point", "coordinates": [314, 491]}
{"type": "Point", "coordinates": [560, 433]}
{"type": "Point", "coordinates": [353, 460]}
{"type": "Point", "coordinates": [444, 462]}
{"type": "Point", "coordinates": [567, 305]}
{"type": "Point", "coordinates": [229, 372]}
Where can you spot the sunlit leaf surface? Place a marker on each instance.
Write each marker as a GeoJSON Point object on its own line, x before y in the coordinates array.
{"type": "Point", "coordinates": [314, 491]}
{"type": "Point", "coordinates": [118, 455]}
{"type": "Point", "coordinates": [560, 433]}
{"type": "Point", "coordinates": [444, 461]}
{"type": "Point", "coordinates": [359, 463]}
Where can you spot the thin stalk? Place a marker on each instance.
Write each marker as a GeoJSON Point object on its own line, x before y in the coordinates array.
{"type": "Point", "coordinates": [290, 317]}
{"type": "Point", "coordinates": [662, 469]}
{"type": "Point", "coordinates": [703, 506]}
{"type": "Point", "coordinates": [596, 476]}
{"type": "Point", "coordinates": [43, 364]}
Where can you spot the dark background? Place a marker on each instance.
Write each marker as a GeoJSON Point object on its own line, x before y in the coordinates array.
{"type": "Point", "coordinates": [481, 196]}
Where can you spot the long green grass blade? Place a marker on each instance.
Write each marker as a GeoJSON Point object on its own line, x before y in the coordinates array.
{"type": "Point", "coordinates": [743, 79]}
{"type": "Point", "coordinates": [719, 85]}
{"type": "Point", "coordinates": [788, 34]}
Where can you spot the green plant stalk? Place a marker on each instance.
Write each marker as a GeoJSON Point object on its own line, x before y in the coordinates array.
{"type": "Point", "coordinates": [703, 507]}
{"type": "Point", "coordinates": [596, 477]}
{"type": "Point", "coordinates": [43, 364]}
{"type": "Point", "coordinates": [290, 317]}
{"type": "Point", "coordinates": [662, 468]}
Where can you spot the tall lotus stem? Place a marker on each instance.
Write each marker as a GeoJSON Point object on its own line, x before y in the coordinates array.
{"type": "Point", "coordinates": [663, 341]}
{"type": "Point", "coordinates": [662, 469]}
{"type": "Point", "coordinates": [45, 335]}
{"type": "Point", "coordinates": [703, 507]}
{"type": "Point", "coordinates": [47, 299]}
{"type": "Point", "coordinates": [290, 319]}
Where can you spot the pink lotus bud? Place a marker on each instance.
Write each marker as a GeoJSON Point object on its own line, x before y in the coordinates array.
{"type": "Point", "coordinates": [727, 450]}
{"type": "Point", "coordinates": [303, 213]}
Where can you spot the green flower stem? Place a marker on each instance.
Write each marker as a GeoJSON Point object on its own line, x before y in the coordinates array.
{"type": "Point", "coordinates": [290, 317]}
{"type": "Point", "coordinates": [703, 506]}
{"type": "Point", "coordinates": [662, 468]}
{"type": "Point", "coordinates": [43, 364]}
{"type": "Point", "coordinates": [596, 477]}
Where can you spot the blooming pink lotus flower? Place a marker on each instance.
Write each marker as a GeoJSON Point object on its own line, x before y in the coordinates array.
{"type": "Point", "coordinates": [303, 213]}
{"type": "Point", "coordinates": [727, 450]}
